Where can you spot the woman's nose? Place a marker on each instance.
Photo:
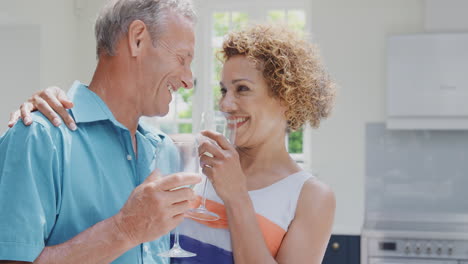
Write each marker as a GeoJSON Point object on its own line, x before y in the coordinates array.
{"type": "Point", "coordinates": [228, 103]}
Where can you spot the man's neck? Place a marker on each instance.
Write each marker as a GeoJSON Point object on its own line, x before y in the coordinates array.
{"type": "Point", "coordinates": [114, 87]}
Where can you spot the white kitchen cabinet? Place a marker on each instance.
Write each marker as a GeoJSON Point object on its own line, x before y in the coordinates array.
{"type": "Point", "coordinates": [427, 81]}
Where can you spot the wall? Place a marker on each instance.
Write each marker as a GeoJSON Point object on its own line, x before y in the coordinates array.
{"type": "Point", "coordinates": [87, 51]}
{"type": "Point", "coordinates": [446, 15]}
{"type": "Point", "coordinates": [57, 59]}
{"type": "Point", "coordinates": [352, 36]}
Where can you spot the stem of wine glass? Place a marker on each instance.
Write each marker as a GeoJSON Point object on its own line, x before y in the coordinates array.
{"type": "Point", "coordinates": [176, 238]}
{"type": "Point", "coordinates": [203, 202]}
{"type": "Point", "coordinates": [203, 125]}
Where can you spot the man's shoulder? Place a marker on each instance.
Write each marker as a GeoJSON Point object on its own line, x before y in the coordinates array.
{"type": "Point", "coordinates": [41, 130]}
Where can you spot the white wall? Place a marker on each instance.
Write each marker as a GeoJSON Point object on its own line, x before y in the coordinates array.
{"type": "Point", "coordinates": [57, 46]}
{"type": "Point", "coordinates": [352, 36]}
{"type": "Point", "coordinates": [446, 15]}
{"type": "Point", "coordinates": [87, 50]}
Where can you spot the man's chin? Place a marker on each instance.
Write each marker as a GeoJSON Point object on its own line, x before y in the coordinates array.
{"type": "Point", "coordinates": [157, 113]}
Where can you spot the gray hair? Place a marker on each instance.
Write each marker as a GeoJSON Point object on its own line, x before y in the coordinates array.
{"type": "Point", "coordinates": [115, 18]}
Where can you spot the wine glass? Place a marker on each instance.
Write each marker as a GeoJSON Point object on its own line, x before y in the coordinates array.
{"type": "Point", "coordinates": [187, 161]}
{"type": "Point", "coordinates": [218, 122]}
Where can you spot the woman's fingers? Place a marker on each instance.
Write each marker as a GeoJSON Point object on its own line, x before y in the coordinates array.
{"type": "Point", "coordinates": [14, 117]}
{"type": "Point", "coordinates": [209, 148]}
{"type": "Point", "coordinates": [63, 98]}
{"type": "Point", "coordinates": [53, 101]}
{"type": "Point", "coordinates": [46, 110]}
{"type": "Point", "coordinates": [25, 111]}
{"type": "Point", "coordinates": [218, 138]}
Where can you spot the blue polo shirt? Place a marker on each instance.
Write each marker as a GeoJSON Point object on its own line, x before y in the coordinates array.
{"type": "Point", "coordinates": [55, 183]}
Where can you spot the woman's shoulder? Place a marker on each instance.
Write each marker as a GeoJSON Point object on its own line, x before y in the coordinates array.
{"type": "Point", "coordinates": [316, 196]}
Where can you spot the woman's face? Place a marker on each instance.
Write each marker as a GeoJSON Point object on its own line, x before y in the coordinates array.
{"type": "Point", "coordinates": [245, 97]}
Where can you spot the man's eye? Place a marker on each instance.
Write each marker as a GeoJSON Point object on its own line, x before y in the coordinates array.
{"type": "Point", "coordinates": [223, 91]}
{"type": "Point", "coordinates": [181, 60]}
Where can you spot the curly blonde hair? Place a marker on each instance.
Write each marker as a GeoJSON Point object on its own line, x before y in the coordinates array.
{"type": "Point", "coordinates": [291, 67]}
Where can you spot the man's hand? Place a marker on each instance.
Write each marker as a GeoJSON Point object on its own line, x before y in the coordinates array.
{"type": "Point", "coordinates": [152, 210]}
{"type": "Point", "coordinates": [52, 102]}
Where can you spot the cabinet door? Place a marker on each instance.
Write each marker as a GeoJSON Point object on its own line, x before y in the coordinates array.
{"type": "Point", "coordinates": [337, 250]}
{"type": "Point", "coordinates": [343, 249]}
{"type": "Point", "coordinates": [427, 75]}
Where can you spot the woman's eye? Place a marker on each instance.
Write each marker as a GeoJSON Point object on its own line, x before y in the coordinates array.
{"type": "Point", "coordinates": [223, 91]}
{"type": "Point", "coordinates": [242, 88]}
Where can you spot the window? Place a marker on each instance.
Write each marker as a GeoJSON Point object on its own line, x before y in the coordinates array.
{"type": "Point", "coordinates": [179, 118]}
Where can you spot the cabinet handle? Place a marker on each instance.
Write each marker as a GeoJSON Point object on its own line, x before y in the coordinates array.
{"type": "Point", "coordinates": [336, 246]}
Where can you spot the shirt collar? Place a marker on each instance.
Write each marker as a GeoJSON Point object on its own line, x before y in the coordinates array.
{"type": "Point", "coordinates": [89, 107]}
{"type": "Point", "coordinates": [154, 135]}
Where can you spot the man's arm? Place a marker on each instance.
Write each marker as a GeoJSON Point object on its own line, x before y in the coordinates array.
{"type": "Point", "coordinates": [150, 212]}
{"type": "Point", "coordinates": [101, 243]}
{"type": "Point", "coordinates": [29, 192]}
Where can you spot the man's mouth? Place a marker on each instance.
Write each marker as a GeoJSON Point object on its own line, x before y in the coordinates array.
{"type": "Point", "coordinates": [171, 88]}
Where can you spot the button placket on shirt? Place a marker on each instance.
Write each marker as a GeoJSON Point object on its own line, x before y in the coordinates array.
{"type": "Point", "coordinates": [127, 139]}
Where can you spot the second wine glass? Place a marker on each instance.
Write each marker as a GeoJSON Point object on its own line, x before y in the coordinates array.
{"type": "Point", "coordinates": [187, 161]}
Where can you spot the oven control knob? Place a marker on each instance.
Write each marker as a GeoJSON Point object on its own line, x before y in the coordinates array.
{"type": "Point", "coordinates": [407, 249]}
{"type": "Point", "coordinates": [428, 250]}
{"type": "Point", "coordinates": [439, 250]}
{"type": "Point", "coordinates": [418, 250]}
{"type": "Point", "coordinates": [450, 251]}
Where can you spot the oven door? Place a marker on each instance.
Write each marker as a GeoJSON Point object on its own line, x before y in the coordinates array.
{"type": "Point", "coordinates": [409, 261]}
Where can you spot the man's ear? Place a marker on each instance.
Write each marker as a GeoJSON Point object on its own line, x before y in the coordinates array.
{"type": "Point", "coordinates": [136, 34]}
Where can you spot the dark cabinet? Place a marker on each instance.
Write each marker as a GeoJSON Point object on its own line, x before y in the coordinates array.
{"type": "Point", "coordinates": [343, 249]}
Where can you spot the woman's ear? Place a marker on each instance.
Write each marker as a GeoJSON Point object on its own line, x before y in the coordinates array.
{"type": "Point", "coordinates": [137, 32]}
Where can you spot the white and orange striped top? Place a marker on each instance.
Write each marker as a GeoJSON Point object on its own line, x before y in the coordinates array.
{"type": "Point", "coordinates": [275, 207]}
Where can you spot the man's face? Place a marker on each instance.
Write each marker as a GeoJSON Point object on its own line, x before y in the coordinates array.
{"type": "Point", "coordinates": [165, 67]}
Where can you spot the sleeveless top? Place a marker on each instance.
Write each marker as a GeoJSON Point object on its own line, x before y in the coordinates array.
{"type": "Point", "coordinates": [275, 207]}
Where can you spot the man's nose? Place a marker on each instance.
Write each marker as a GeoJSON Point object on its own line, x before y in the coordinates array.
{"type": "Point", "coordinates": [187, 79]}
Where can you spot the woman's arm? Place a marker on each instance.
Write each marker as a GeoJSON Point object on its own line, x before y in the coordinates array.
{"type": "Point", "coordinates": [309, 232]}
{"type": "Point", "coordinates": [307, 236]}
{"type": "Point", "coordinates": [247, 239]}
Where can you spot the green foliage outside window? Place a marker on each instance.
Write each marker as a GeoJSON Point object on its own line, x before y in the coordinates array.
{"type": "Point", "coordinates": [276, 16]}
{"type": "Point", "coordinates": [185, 128]}
{"type": "Point", "coordinates": [295, 142]}
{"type": "Point", "coordinates": [221, 24]}
{"type": "Point", "coordinates": [186, 96]}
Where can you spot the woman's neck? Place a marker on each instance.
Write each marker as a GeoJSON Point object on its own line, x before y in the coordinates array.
{"type": "Point", "coordinates": [266, 163]}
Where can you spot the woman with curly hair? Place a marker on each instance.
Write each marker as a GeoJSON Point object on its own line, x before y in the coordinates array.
{"type": "Point", "coordinates": [274, 212]}
{"type": "Point", "coordinates": [271, 210]}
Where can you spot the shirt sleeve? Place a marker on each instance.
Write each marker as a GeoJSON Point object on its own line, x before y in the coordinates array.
{"type": "Point", "coordinates": [29, 190]}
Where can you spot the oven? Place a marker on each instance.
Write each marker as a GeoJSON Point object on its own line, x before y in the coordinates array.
{"type": "Point", "coordinates": [409, 261]}
{"type": "Point", "coordinates": [396, 247]}
{"type": "Point", "coordinates": [416, 209]}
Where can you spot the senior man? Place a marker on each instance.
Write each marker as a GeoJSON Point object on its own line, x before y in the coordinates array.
{"type": "Point", "coordinates": [93, 195]}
